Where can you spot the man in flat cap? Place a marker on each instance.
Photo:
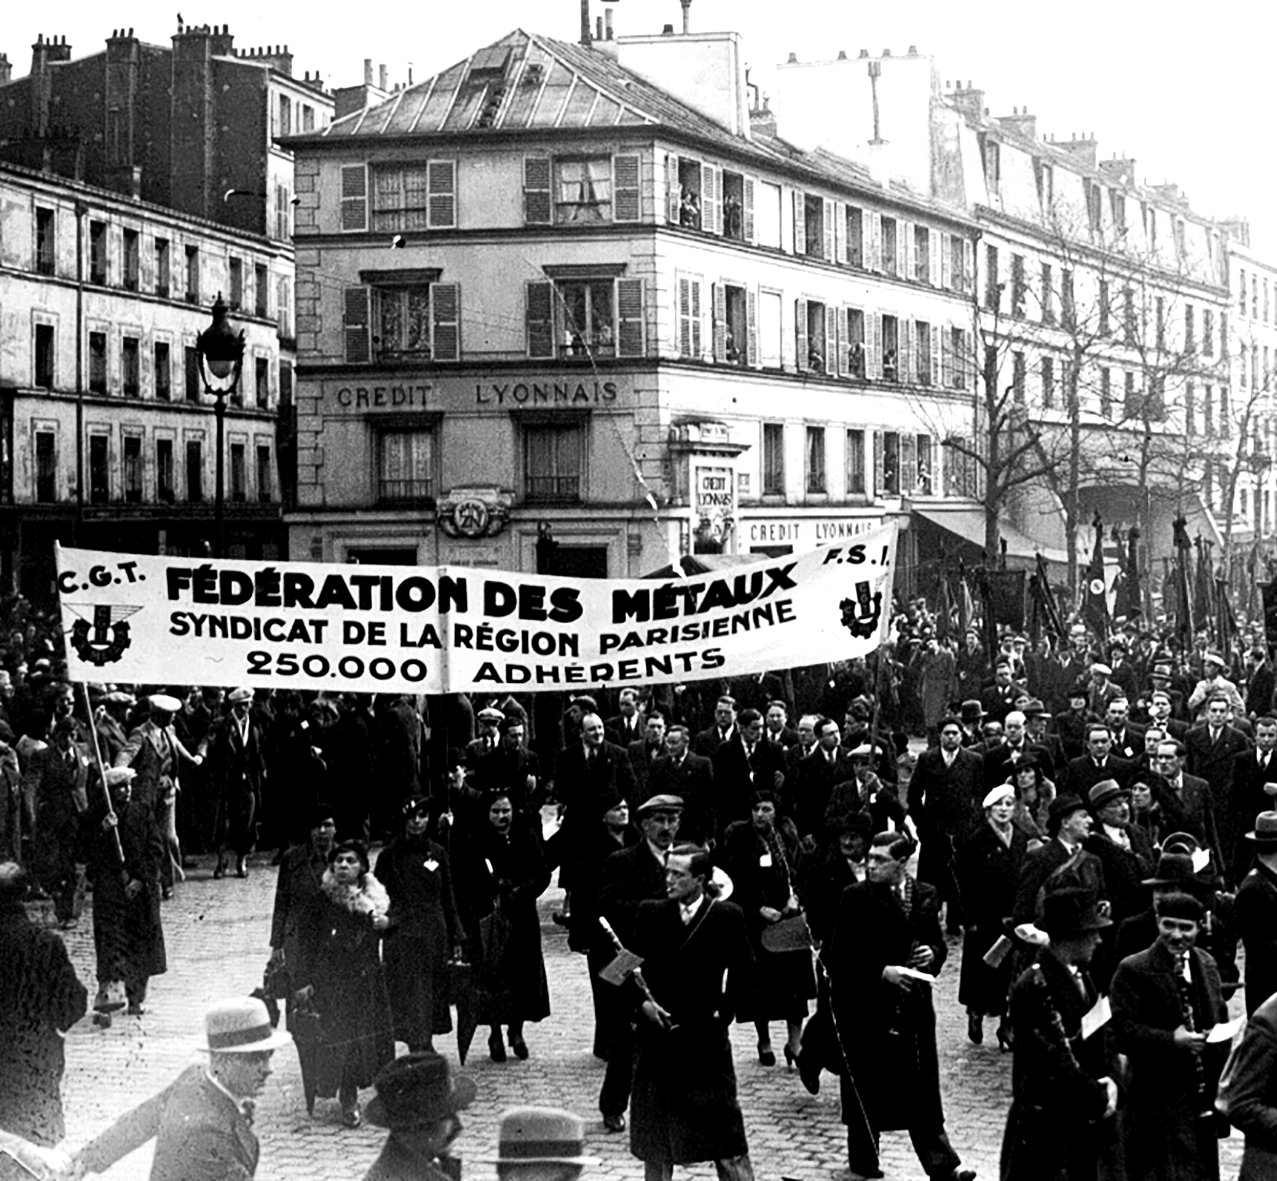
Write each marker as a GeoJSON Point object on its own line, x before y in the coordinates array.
{"type": "Point", "coordinates": [111, 723]}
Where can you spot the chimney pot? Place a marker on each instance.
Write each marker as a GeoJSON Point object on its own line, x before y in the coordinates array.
{"type": "Point", "coordinates": [913, 51]}
{"type": "Point", "coordinates": [842, 55]}
{"type": "Point", "coordinates": [367, 71]}
{"type": "Point", "coordinates": [667, 31]}
{"type": "Point", "coordinates": [864, 53]}
{"type": "Point", "coordinates": [793, 57]}
{"type": "Point", "coordinates": [381, 74]}
{"type": "Point", "coordinates": [886, 52]}
{"type": "Point", "coordinates": [598, 28]}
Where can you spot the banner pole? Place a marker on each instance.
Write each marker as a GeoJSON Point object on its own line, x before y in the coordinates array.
{"type": "Point", "coordinates": [106, 791]}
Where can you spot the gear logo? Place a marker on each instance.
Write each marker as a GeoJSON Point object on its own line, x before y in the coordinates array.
{"type": "Point", "coordinates": [104, 640]}
{"type": "Point", "coordinates": [860, 615]}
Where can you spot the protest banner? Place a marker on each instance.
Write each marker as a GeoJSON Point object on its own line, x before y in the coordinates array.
{"type": "Point", "coordinates": [442, 629]}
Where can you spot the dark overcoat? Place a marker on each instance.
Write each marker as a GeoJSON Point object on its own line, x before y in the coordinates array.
{"type": "Point", "coordinates": [945, 804]}
{"type": "Point", "coordinates": [1252, 1093]}
{"type": "Point", "coordinates": [629, 877]}
{"type": "Point", "coordinates": [1256, 914]}
{"type": "Point", "coordinates": [683, 1107]}
{"type": "Point", "coordinates": [297, 892]}
{"type": "Point", "coordinates": [988, 874]}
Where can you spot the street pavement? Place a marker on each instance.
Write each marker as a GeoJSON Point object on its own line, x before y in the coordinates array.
{"type": "Point", "coordinates": [217, 934]}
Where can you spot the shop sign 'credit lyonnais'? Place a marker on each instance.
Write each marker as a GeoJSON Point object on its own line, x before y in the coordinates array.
{"type": "Point", "coordinates": [139, 619]}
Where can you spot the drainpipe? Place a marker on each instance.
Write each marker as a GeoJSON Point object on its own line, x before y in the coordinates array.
{"type": "Point", "coordinates": [81, 209]}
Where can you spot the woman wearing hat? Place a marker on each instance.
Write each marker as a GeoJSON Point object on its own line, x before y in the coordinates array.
{"type": "Point", "coordinates": [128, 934]}
{"type": "Point", "coordinates": [501, 874]}
{"type": "Point", "coordinates": [762, 855]}
{"type": "Point", "coordinates": [988, 869]}
{"type": "Point", "coordinates": [424, 928]}
{"type": "Point", "coordinates": [343, 978]}
{"type": "Point", "coordinates": [1034, 793]}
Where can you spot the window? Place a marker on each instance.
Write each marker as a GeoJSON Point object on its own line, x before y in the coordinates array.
{"type": "Point", "coordinates": [1155, 403]}
{"type": "Point", "coordinates": [1048, 294]}
{"type": "Point", "coordinates": [1048, 383]}
{"type": "Point", "coordinates": [45, 242]}
{"type": "Point", "coordinates": [953, 363]}
{"type": "Point", "coordinates": [923, 331]}
{"type": "Point", "coordinates": [133, 469]}
{"type": "Point", "coordinates": [263, 473]}
{"type": "Point", "coordinates": [132, 259]}
{"type": "Point", "coordinates": [1130, 322]}
{"type": "Point", "coordinates": [1190, 410]}
{"type": "Point", "coordinates": [44, 356]}
{"type": "Point", "coordinates": [1131, 405]}
{"type": "Point", "coordinates": [97, 252]}
{"type": "Point", "coordinates": [97, 362]}
{"type": "Point", "coordinates": [99, 470]}
{"type": "Point", "coordinates": [568, 191]}
{"type": "Point", "coordinates": [923, 485]}
{"type": "Point", "coordinates": [811, 338]}
{"type": "Point", "coordinates": [768, 215]}
{"type": "Point", "coordinates": [1117, 207]}
{"type": "Point", "coordinates": [1241, 307]}
{"type": "Point", "coordinates": [1225, 414]}
{"type": "Point", "coordinates": [1044, 176]}
{"type": "Point", "coordinates": [921, 254]}
{"type": "Point", "coordinates": [164, 471]}
{"type": "Point", "coordinates": [959, 269]}
{"type": "Point", "coordinates": [1208, 410]}
{"type": "Point", "coordinates": [283, 210]}
{"type": "Point", "coordinates": [553, 461]}
{"type": "Point", "coordinates": [308, 118]}
{"type": "Point", "coordinates": [284, 122]}
{"type": "Point", "coordinates": [1190, 342]}
{"type": "Point", "coordinates": [1018, 369]}
{"type": "Point", "coordinates": [131, 366]}
{"type": "Point", "coordinates": [890, 263]}
{"type": "Point", "coordinates": [1018, 286]}
{"type": "Point", "coordinates": [733, 340]}
{"type": "Point", "coordinates": [992, 158]}
{"type": "Point", "coordinates": [773, 459]}
{"type": "Point", "coordinates": [812, 227]}
{"type": "Point", "coordinates": [599, 317]}
{"type": "Point", "coordinates": [194, 470]}
{"type": "Point", "coordinates": [1180, 244]}
{"type": "Point", "coordinates": [239, 476]}
{"type": "Point", "coordinates": [354, 197]}
{"type": "Point", "coordinates": [162, 267]}
{"type": "Point", "coordinates": [1068, 314]}
{"type": "Point", "coordinates": [46, 474]}
{"type": "Point", "coordinates": [192, 274]}
{"type": "Point", "coordinates": [237, 283]}
{"type": "Point", "coordinates": [890, 463]}
{"type": "Point", "coordinates": [959, 468]}
{"type": "Point", "coordinates": [1105, 309]}
{"type": "Point", "coordinates": [410, 320]}
{"type": "Point", "coordinates": [855, 236]}
{"type": "Point", "coordinates": [1106, 392]}
{"type": "Point", "coordinates": [856, 342]}
{"type": "Point", "coordinates": [769, 329]}
{"type": "Point", "coordinates": [890, 348]}
{"type": "Point", "coordinates": [685, 193]}
{"type": "Point", "coordinates": [284, 309]}
{"type": "Point", "coordinates": [261, 386]}
{"type": "Point", "coordinates": [261, 290]}
{"type": "Point", "coordinates": [1208, 332]}
{"type": "Point", "coordinates": [417, 198]}
{"type": "Point", "coordinates": [992, 288]}
{"type": "Point", "coordinates": [856, 462]}
{"type": "Point", "coordinates": [192, 374]}
{"type": "Point", "coordinates": [816, 482]}
{"type": "Point", "coordinates": [1159, 311]}
{"type": "Point", "coordinates": [1094, 204]}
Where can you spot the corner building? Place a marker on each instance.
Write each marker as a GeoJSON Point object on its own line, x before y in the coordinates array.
{"type": "Point", "coordinates": [589, 289]}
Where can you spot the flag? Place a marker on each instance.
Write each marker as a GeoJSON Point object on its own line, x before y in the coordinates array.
{"type": "Point", "coordinates": [1203, 588]}
{"type": "Point", "coordinates": [1183, 599]}
{"type": "Point", "coordinates": [1133, 574]}
{"type": "Point", "coordinates": [1269, 592]}
{"type": "Point", "coordinates": [966, 608]}
{"type": "Point", "coordinates": [944, 607]}
{"type": "Point", "coordinates": [1006, 597]}
{"type": "Point", "coordinates": [1051, 611]}
{"type": "Point", "coordinates": [1225, 620]}
{"type": "Point", "coordinates": [1095, 602]}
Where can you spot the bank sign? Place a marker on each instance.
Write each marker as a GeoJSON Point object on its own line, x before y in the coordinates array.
{"type": "Point", "coordinates": [443, 629]}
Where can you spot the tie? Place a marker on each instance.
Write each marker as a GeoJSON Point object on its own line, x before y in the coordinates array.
{"type": "Point", "coordinates": [685, 913]}
{"type": "Point", "coordinates": [248, 1108]}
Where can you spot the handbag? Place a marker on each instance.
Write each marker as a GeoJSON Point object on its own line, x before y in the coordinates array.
{"type": "Point", "coordinates": [277, 980]}
{"type": "Point", "coordinates": [791, 934]}
{"type": "Point", "coordinates": [304, 1021]}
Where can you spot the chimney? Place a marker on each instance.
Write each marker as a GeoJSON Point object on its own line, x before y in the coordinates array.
{"type": "Point", "coordinates": [704, 70]}
{"type": "Point", "coordinates": [43, 55]}
{"type": "Point", "coordinates": [968, 100]}
{"type": "Point", "coordinates": [1084, 149]}
{"type": "Point", "coordinates": [1120, 170]}
{"type": "Point", "coordinates": [193, 124]}
{"type": "Point", "coordinates": [381, 78]}
{"type": "Point", "coordinates": [6, 70]}
{"type": "Point", "coordinates": [120, 104]}
{"type": "Point", "coordinates": [367, 71]}
{"type": "Point", "coordinates": [1020, 122]}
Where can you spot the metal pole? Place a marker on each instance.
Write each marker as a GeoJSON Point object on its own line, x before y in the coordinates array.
{"type": "Point", "coordinates": [219, 505]}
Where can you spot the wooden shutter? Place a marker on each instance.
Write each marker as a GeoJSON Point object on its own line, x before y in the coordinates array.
{"type": "Point", "coordinates": [748, 222]}
{"type": "Point", "coordinates": [673, 191]}
{"type": "Point", "coordinates": [935, 255]}
{"type": "Point", "coordinates": [968, 264]}
{"type": "Point", "coordinates": [538, 208]}
{"type": "Point", "coordinates": [539, 318]}
{"type": "Point", "coordinates": [354, 197]}
{"type": "Point", "coordinates": [905, 351]}
{"type": "Point", "coordinates": [840, 232]}
{"type": "Point", "coordinates": [873, 367]}
{"type": "Point", "coordinates": [946, 358]}
{"type": "Point", "coordinates": [904, 237]}
{"type": "Point", "coordinates": [800, 335]}
{"type": "Point", "coordinates": [829, 231]}
{"type": "Point", "coordinates": [689, 317]}
{"type": "Point", "coordinates": [629, 313]}
{"type": "Point", "coordinates": [719, 302]}
{"type": "Point", "coordinates": [355, 325]}
{"type": "Point", "coordinates": [441, 200]}
{"type": "Point", "coordinates": [831, 339]}
{"type": "Point", "coordinates": [946, 258]}
{"type": "Point", "coordinates": [711, 199]}
{"type": "Point", "coordinates": [879, 464]}
{"type": "Point", "coordinates": [908, 464]}
{"type": "Point", "coordinates": [844, 338]}
{"type": "Point", "coordinates": [626, 202]}
{"type": "Point", "coordinates": [935, 354]}
{"type": "Point", "coordinates": [696, 319]}
{"type": "Point", "coordinates": [800, 222]}
{"type": "Point", "coordinates": [751, 317]}
{"type": "Point", "coordinates": [445, 321]}
{"type": "Point", "coordinates": [873, 244]}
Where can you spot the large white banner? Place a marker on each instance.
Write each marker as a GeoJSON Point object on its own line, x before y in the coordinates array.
{"type": "Point", "coordinates": [141, 619]}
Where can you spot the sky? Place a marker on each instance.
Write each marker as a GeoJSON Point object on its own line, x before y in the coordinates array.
{"type": "Point", "coordinates": [1188, 91]}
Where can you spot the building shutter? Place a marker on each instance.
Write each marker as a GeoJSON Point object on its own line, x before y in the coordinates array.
{"type": "Point", "coordinates": [801, 344]}
{"type": "Point", "coordinates": [751, 317]}
{"type": "Point", "coordinates": [905, 239]}
{"type": "Point", "coordinates": [441, 199]}
{"type": "Point", "coordinates": [689, 318]}
{"type": "Point", "coordinates": [538, 209]}
{"type": "Point", "coordinates": [831, 339]}
{"type": "Point", "coordinates": [908, 465]}
{"type": "Point", "coordinates": [719, 296]}
{"type": "Point", "coordinates": [873, 248]}
{"type": "Point", "coordinates": [696, 319]}
{"type": "Point", "coordinates": [629, 313]}
{"type": "Point", "coordinates": [844, 339]}
{"type": "Point", "coordinates": [354, 197]}
{"type": "Point", "coordinates": [540, 318]}
{"type": "Point", "coordinates": [673, 190]}
{"type": "Point", "coordinates": [874, 366]}
{"type": "Point", "coordinates": [935, 354]}
{"type": "Point", "coordinates": [946, 260]}
{"type": "Point", "coordinates": [712, 199]}
{"type": "Point", "coordinates": [829, 231]}
{"type": "Point", "coordinates": [626, 204]}
{"type": "Point", "coordinates": [968, 265]}
{"type": "Point", "coordinates": [879, 465]}
{"type": "Point", "coordinates": [840, 232]}
{"type": "Point", "coordinates": [904, 361]}
{"type": "Point", "coordinates": [355, 325]}
{"type": "Point", "coordinates": [748, 221]}
{"type": "Point", "coordinates": [946, 359]}
{"type": "Point", "coordinates": [800, 222]}
{"type": "Point", "coordinates": [936, 255]}
{"type": "Point", "coordinates": [445, 321]}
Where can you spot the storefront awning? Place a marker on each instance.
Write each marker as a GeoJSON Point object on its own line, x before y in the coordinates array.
{"type": "Point", "coordinates": [968, 523]}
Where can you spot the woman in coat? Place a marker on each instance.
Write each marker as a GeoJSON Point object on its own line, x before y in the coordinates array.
{"type": "Point", "coordinates": [1034, 793]}
{"type": "Point", "coordinates": [424, 928]}
{"type": "Point", "coordinates": [988, 869]}
{"type": "Point", "coordinates": [298, 889]}
{"type": "Point", "coordinates": [761, 855]}
{"type": "Point", "coordinates": [504, 874]}
{"type": "Point", "coordinates": [128, 936]}
{"type": "Point", "coordinates": [343, 980]}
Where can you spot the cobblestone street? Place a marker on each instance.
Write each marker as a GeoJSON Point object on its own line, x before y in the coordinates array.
{"type": "Point", "coordinates": [217, 937]}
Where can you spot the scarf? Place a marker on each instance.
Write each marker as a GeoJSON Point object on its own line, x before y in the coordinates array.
{"type": "Point", "coordinates": [368, 898]}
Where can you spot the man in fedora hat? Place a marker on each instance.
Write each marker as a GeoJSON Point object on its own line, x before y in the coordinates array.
{"type": "Point", "coordinates": [237, 760]}
{"type": "Point", "coordinates": [1062, 862]}
{"type": "Point", "coordinates": [1124, 848]}
{"type": "Point", "coordinates": [1060, 1126]}
{"type": "Point", "coordinates": [541, 1144]}
{"type": "Point", "coordinates": [202, 1122]}
{"type": "Point", "coordinates": [971, 715]}
{"type": "Point", "coordinates": [418, 1099]}
{"type": "Point", "coordinates": [1256, 912]}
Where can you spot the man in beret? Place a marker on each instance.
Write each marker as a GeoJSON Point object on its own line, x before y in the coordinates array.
{"type": "Point", "coordinates": [418, 1099]}
{"type": "Point", "coordinates": [1213, 683]}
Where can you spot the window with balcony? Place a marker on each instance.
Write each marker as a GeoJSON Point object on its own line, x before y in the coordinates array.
{"type": "Point", "coordinates": [856, 462]}
{"type": "Point", "coordinates": [46, 467]}
{"type": "Point", "coordinates": [99, 470]}
{"type": "Point", "coordinates": [97, 362]}
{"type": "Point", "coordinates": [405, 317]}
{"type": "Point", "coordinates": [97, 253]}
{"type": "Point", "coordinates": [690, 195]}
{"type": "Point", "coordinates": [194, 471]}
{"type": "Point", "coordinates": [133, 469]}
{"type": "Point", "coordinates": [733, 341]}
{"type": "Point", "coordinates": [45, 241]}
{"type": "Point", "coordinates": [162, 265]}
{"type": "Point", "coordinates": [405, 465]}
{"type": "Point", "coordinates": [586, 189]}
{"type": "Point", "coordinates": [132, 259]}
{"type": "Point", "coordinates": [417, 197]}
{"type": "Point", "coordinates": [553, 461]}
{"type": "Point", "coordinates": [773, 459]}
{"type": "Point", "coordinates": [239, 474]}
{"type": "Point", "coordinates": [264, 481]}
{"type": "Point", "coordinates": [131, 366]}
{"type": "Point", "coordinates": [164, 487]}
{"type": "Point", "coordinates": [44, 356]}
{"type": "Point", "coordinates": [812, 339]}
{"type": "Point", "coordinates": [579, 317]}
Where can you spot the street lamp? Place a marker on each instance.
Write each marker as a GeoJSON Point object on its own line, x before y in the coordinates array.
{"type": "Point", "coordinates": [221, 357]}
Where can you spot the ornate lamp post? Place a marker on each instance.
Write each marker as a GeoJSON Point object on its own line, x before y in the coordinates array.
{"type": "Point", "coordinates": [221, 356]}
